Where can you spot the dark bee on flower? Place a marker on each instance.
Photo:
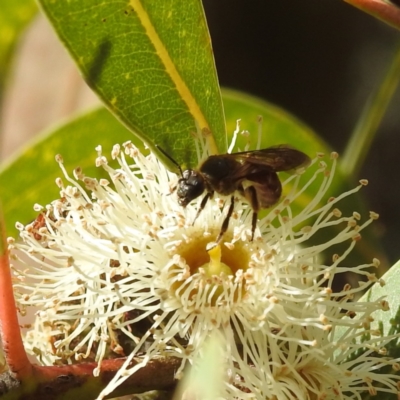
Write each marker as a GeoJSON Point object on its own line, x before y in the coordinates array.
{"type": "Point", "coordinates": [253, 174]}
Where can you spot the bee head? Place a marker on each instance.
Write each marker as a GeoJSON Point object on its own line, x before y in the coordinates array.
{"type": "Point", "coordinates": [190, 186]}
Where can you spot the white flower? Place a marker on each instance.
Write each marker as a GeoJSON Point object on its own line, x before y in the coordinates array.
{"type": "Point", "coordinates": [116, 268]}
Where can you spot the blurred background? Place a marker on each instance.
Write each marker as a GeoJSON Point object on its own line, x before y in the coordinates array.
{"type": "Point", "coordinates": [319, 60]}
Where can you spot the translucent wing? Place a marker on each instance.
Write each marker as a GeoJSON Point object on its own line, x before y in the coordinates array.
{"type": "Point", "coordinates": [279, 158]}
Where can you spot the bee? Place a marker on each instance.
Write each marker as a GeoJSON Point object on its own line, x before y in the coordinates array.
{"type": "Point", "coordinates": [253, 174]}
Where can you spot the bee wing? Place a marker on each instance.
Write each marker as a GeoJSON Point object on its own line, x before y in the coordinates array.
{"type": "Point", "coordinates": [279, 158]}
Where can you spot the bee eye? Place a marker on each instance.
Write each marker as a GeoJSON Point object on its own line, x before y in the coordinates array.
{"type": "Point", "coordinates": [183, 190]}
{"type": "Point", "coordinates": [190, 186]}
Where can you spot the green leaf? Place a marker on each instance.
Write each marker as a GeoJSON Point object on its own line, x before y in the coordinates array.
{"type": "Point", "coordinates": [151, 62]}
{"type": "Point", "coordinates": [29, 177]}
{"type": "Point", "coordinates": [14, 16]}
{"type": "Point", "coordinates": [388, 322]}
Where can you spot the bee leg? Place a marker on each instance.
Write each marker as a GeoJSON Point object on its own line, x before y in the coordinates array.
{"type": "Point", "coordinates": [250, 194]}
{"type": "Point", "coordinates": [253, 224]}
{"type": "Point", "coordinates": [225, 224]}
{"type": "Point", "coordinates": [202, 205]}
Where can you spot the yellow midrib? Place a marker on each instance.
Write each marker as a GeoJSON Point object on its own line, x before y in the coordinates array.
{"type": "Point", "coordinates": [180, 84]}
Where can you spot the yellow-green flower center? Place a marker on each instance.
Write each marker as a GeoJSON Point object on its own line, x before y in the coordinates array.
{"type": "Point", "coordinates": [211, 269]}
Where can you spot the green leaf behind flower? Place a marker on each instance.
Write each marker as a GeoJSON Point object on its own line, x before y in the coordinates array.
{"type": "Point", "coordinates": [152, 64]}
{"type": "Point", "coordinates": [29, 177]}
{"type": "Point", "coordinates": [280, 127]}
{"type": "Point", "coordinates": [387, 322]}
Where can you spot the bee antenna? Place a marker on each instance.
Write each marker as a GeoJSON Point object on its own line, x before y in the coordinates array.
{"type": "Point", "coordinates": [169, 158]}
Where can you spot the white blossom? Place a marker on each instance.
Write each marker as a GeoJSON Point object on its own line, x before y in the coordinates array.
{"type": "Point", "coordinates": [116, 268]}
